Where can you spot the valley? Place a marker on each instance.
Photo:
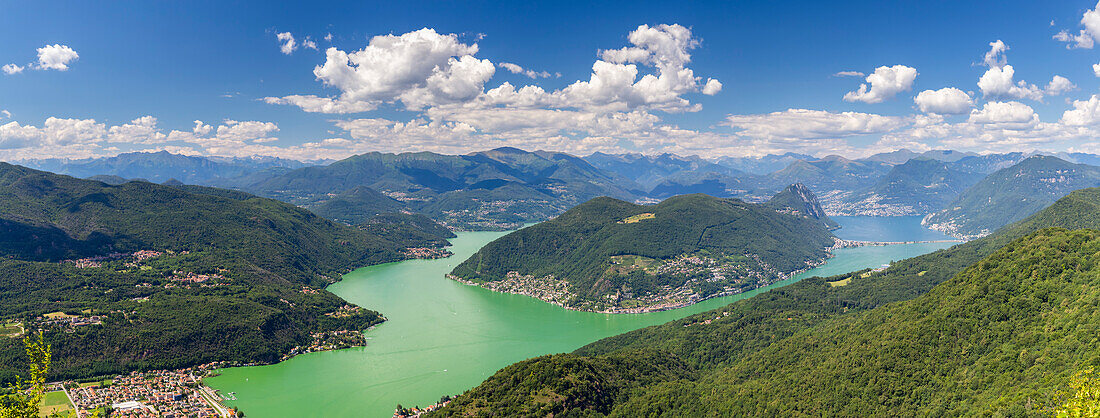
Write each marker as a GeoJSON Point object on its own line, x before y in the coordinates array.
{"type": "Point", "coordinates": [442, 337]}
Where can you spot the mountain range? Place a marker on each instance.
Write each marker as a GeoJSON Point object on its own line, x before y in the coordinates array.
{"type": "Point", "coordinates": [1012, 193]}
{"type": "Point", "coordinates": [506, 188]}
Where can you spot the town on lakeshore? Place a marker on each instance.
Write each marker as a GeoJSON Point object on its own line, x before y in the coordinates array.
{"type": "Point", "coordinates": [155, 393]}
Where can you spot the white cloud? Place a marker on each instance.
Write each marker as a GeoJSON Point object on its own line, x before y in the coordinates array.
{"type": "Point", "coordinates": [5, 113]}
{"type": "Point", "coordinates": [998, 82]}
{"type": "Point", "coordinates": [812, 124]}
{"type": "Point", "coordinates": [317, 104]}
{"type": "Point", "coordinates": [328, 37]}
{"type": "Point", "coordinates": [55, 57]}
{"type": "Point", "coordinates": [712, 87]}
{"type": "Point", "coordinates": [849, 74]}
{"type": "Point", "coordinates": [517, 69]}
{"type": "Point", "coordinates": [1007, 114]}
{"type": "Point", "coordinates": [885, 83]}
{"type": "Point", "coordinates": [1059, 85]}
{"type": "Point", "coordinates": [996, 58]}
{"type": "Point", "coordinates": [10, 69]}
{"type": "Point", "coordinates": [1084, 113]}
{"type": "Point", "coordinates": [424, 69]}
{"type": "Point", "coordinates": [1096, 69]}
{"type": "Point", "coordinates": [945, 101]}
{"type": "Point", "coordinates": [54, 134]}
{"type": "Point", "coordinates": [287, 44]}
{"type": "Point", "coordinates": [393, 68]}
{"type": "Point", "coordinates": [1086, 37]}
{"type": "Point", "coordinates": [232, 130]}
{"type": "Point", "coordinates": [309, 43]}
{"type": "Point", "coordinates": [142, 130]}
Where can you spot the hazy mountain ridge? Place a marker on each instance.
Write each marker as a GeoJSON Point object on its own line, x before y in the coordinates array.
{"type": "Point", "coordinates": [1011, 194]}
{"type": "Point", "coordinates": [916, 187]}
{"type": "Point", "coordinates": [507, 187]}
{"type": "Point", "coordinates": [159, 167]}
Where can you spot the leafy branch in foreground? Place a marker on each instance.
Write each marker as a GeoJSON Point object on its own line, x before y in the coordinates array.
{"type": "Point", "coordinates": [1084, 397]}
{"type": "Point", "coordinates": [25, 396]}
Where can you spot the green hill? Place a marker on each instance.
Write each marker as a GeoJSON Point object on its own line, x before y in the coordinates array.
{"type": "Point", "coordinates": [357, 205]}
{"type": "Point", "coordinates": [797, 197]}
{"type": "Point", "coordinates": [1011, 194]}
{"type": "Point", "coordinates": [738, 355]}
{"type": "Point", "coordinates": [607, 254]}
{"type": "Point", "coordinates": [917, 187]}
{"type": "Point", "coordinates": [233, 277]}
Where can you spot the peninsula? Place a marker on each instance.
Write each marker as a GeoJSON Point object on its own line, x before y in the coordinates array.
{"type": "Point", "coordinates": [611, 256]}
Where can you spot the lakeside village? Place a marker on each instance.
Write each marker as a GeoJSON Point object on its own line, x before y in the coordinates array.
{"type": "Point", "coordinates": [705, 277]}
{"type": "Point", "coordinates": [166, 393]}
{"type": "Point", "coordinates": [718, 276]}
{"type": "Point", "coordinates": [417, 412]}
{"type": "Point", "coordinates": [156, 393]}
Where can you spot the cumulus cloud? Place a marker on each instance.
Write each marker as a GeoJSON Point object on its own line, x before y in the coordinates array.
{"type": "Point", "coordinates": [1096, 69]}
{"type": "Point", "coordinates": [1084, 113]}
{"type": "Point", "coordinates": [712, 87]}
{"type": "Point", "coordinates": [5, 114]}
{"type": "Point", "coordinates": [440, 75]}
{"type": "Point", "coordinates": [812, 124]}
{"type": "Point", "coordinates": [55, 57]}
{"type": "Point", "coordinates": [287, 44]}
{"type": "Point", "coordinates": [996, 57]}
{"type": "Point", "coordinates": [1085, 38]}
{"type": "Point", "coordinates": [317, 104]}
{"type": "Point", "coordinates": [885, 83]}
{"type": "Point", "coordinates": [998, 82]}
{"type": "Point", "coordinates": [1006, 114]}
{"type": "Point", "coordinates": [1059, 85]}
{"type": "Point", "coordinates": [10, 69]}
{"type": "Point", "coordinates": [142, 130]}
{"type": "Point", "coordinates": [945, 101]}
{"type": "Point", "coordinates": [81, 138]}
{"type": "Point", "coordinates": [517, 69]}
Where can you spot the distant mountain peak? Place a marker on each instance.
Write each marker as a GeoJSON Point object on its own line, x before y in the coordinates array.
{"type": "Point", "coordinates": [799, 198]}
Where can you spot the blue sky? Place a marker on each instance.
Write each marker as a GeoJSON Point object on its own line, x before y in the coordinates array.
{"type": "Point", "coordinates": [139, 76]}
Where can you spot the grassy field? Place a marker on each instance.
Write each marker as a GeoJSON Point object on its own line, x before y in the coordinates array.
{"type": "Point", "coordinates": [56, 403]}
{"type": "Point", "coordinates": [638, 218]}
{"type": "Point", "coordinates": [97, 383]}
{"type": "Point", "coordinates": [11, 330]}
{"type": "Point", "coordinates": [58, 315]}
{"type": "Point", "coordinates": [839, 283]}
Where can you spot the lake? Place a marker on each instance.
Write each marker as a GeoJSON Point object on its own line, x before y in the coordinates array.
{"type": "Point", "coordinates": [443, 337]}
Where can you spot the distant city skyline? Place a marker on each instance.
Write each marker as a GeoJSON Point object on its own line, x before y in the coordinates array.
{"type": "Point", "coordinates": [313, 82]}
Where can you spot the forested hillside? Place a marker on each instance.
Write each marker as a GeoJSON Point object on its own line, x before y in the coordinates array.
{"type": "Point", "coordinates": [812, 336]}
{"type": "Point", "coordinates": [607, 253]}
{"type": "Point", "coordinates": [1011, 194]}
{"type": "Point", "coordinates": [141, 275]}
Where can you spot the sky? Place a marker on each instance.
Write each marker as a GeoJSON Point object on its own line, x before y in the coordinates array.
{"type": "Point", "coordinates": [326, 80]}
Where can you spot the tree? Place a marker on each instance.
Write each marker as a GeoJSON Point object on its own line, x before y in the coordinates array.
{"type": "Point", "coordinates": [25, 396]}
{"type": "Point", "coordinates": [1084, 401]}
